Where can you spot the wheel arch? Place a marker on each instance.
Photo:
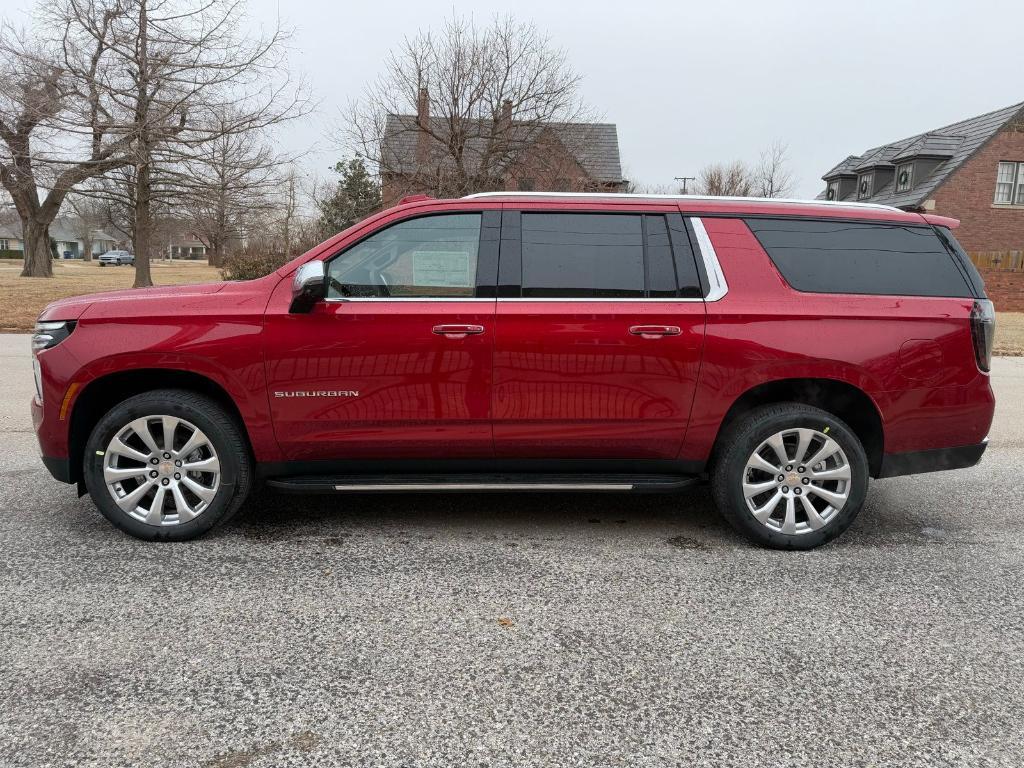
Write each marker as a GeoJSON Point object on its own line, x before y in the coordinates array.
{"type": "Point", "coordinates": [103, 393]}
{"type": "Point", "coordinates": [842, 399]}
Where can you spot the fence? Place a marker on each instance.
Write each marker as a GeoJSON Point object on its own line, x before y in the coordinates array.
{"type": "Point", "coordinates": [999, 261]}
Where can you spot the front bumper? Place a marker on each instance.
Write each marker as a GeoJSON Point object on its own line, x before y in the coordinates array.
{"type": "Point", "coordinates": [59, 468]}
{"type": "Point", "coordinates": [937, 460]}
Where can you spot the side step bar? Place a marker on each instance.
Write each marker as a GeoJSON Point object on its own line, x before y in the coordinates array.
{"type": "Point", "coordinates": [482, 483]}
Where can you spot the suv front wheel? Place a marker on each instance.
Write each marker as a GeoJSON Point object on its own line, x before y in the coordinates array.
{"type": "Point", "coordinates": [167, 465]}
{"type": "Point", "coordinates": [790, 476]}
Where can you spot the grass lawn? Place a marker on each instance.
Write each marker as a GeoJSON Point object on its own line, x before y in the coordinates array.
{"type": "Point", "coordinates": [23, 298]}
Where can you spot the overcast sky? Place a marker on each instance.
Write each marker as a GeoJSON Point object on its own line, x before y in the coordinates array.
{"type": "Point", "coordinates": [689, 83]}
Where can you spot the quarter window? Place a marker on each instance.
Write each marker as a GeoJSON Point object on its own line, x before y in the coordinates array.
{"type": "Point", "coordinates": [582, 255]}
{"type": "Point", "coordinates": [1010, 184]}
{"type": "Point", "coordinates": [429, 257]}
{"type": "Point", "coordinates": [853, 257]}
{"type": "Point", "coordinates": [904, 177]}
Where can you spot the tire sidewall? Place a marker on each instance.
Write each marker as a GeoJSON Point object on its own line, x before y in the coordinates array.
{"type": "Point", "coordinates": [755, 430]}
{"type": "Point", "coordinates": [209, 419]}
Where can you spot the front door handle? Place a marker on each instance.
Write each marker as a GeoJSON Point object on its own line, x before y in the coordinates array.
{"type": "Point", "coordinates": [458, 331]}
{"type": "Point", "coordinates": [654, 331]}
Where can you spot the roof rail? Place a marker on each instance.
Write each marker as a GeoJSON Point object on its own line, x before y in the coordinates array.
{"type": "Point", "coordinates": [695, 198]}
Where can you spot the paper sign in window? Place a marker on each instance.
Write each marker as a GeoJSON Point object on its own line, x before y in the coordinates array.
{"type": "Point", "coordinates": [442, 269]}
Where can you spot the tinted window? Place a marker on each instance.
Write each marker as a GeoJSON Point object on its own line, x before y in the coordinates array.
{"type": "Point", "coordinates": [661, 271]}
{"type": "Point", "coordinates": [852, 257]}
{"type": "Point", "coordinates": [434, 256]}
{"type": "Point", "coordinates": [582, 255]}
{"type": "Point", "coordinates": [973, 276]}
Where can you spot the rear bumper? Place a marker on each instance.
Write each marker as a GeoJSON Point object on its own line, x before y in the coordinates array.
{"type": "Point", "coordinates": [937, 460]}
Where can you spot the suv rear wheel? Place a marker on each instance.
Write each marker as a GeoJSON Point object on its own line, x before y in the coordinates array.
{"type": "Point", "coordinates": [790, 476]}
{"type": "Point", "coordinates": [167, 465]}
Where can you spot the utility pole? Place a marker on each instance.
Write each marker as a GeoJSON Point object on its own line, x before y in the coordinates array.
{"type": "Point", "coordinates": [685, 179]}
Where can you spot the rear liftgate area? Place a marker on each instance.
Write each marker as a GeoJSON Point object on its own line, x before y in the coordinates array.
{"type": "Point", "coordinates": [483, 483]}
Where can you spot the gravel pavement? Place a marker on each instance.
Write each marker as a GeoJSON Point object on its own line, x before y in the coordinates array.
{"type": "Point", "coordinates": [523, 630]}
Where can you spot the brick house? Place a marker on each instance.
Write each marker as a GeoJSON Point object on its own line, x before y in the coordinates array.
{"type": "Point", "coordinates": [498, 154]}
{"type": "Point", "coordinates": [972, 170]}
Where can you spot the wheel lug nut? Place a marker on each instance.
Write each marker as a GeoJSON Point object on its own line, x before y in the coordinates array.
{"type": "Point", "coordinates": [801, 469]}
{"type": "Point", "coordinates": [177, 463]}
{"type": "Point", "coordinates": [165, 481]}
{"type": "Point", "coordinates": [177, 476]}
{"type": "Point", "coordinates": [781, 478]}
{"type": "Point", "coordinates": [807, 480]}
{"type": "Point", "coordinates": [154, 473]}
{"type": "Point", "coordinates": [796, 491]}
{"type": "Point", "coordinates": [154, 460]}
{"type": "Point", "coordinates": [789, 467]}
{"type": "Point", "coordinates": [167, 455]}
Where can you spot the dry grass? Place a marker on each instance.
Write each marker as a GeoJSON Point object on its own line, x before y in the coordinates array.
{"type": "Point", "coordinates": [1009, 334]}
{"type": "Point", "coordinates": [23, 298]}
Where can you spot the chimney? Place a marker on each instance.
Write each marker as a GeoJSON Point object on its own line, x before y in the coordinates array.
{"type": "Point", "coordinates": [422, 123]}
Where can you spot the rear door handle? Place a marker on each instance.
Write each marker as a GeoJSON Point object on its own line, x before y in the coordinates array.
{"type": "Point", "coordinates": [654, 331]}
{"type": "Point", "coordinates": [458, 331]}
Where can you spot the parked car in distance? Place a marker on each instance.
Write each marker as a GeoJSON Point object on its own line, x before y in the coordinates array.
{"type": "Point", "coordinates": [784, 351]}
{"type": "Point", "coordinates": [116, 258]}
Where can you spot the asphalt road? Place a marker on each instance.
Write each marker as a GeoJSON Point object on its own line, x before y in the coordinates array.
{"type": "Point", "coordinates": [513, 630]}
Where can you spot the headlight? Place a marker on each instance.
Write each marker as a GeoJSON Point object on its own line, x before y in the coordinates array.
{"type": "Point", "coordinates": [49, 335]}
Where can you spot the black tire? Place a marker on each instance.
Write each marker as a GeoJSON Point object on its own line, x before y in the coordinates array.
{"type": "Point", "coordinates": [225, 435]}
{"type": "Point", "coordinates": [739, 444]}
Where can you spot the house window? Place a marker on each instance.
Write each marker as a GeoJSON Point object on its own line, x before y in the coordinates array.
{"type": "Point", "coordinates": [1010, 184]}
{"type": "Point", "coordinates": [904, 177]}
{"type": "Point", "coordinates": [864, 184]}
{"type": "Point", "coordinates": [832, 193]}
{"type": "Point", "coordinates": [4, 245]}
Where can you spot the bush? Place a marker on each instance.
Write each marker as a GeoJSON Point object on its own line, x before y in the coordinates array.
{"type": "Point", "coordinates": [242, 266]}
{"type": "Point", "coordinates": [12, 254]}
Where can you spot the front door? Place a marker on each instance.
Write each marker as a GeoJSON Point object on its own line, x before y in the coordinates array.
{"type": "Point", "coordinates": [396, 364]}
{"type": "Point", "coordinates": [597, 355]}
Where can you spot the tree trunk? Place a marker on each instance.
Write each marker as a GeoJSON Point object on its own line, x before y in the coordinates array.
{"type": "Point", "coordinates": [215, 255]}
{"type": "Point", "coordinates": [38, 258]}
{"type": "Point", "coordinates": [143, 226]}
{"type": "Point", "coordinates": [87, 247]}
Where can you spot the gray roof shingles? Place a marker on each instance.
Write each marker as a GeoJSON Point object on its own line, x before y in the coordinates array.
{"type": "Point", "coordinates": [955, 142]}
{"type": "Point", "coordinates": [594, 145]}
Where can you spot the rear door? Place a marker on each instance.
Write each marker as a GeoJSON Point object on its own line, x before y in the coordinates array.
{"type": "Point", "coordinates": [396, 364]}
{"type": "Point", "coordinates": [599, 333]}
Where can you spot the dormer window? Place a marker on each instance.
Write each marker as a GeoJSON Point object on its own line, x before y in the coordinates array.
{"type": "Point", "coordinates": [832, 193]}
{"type": "Point", "coordinates": [864, 184]}
{"type": "Point", "coordinates": [904, 177]}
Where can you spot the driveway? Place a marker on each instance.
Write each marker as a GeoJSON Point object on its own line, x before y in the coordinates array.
{"type": "Point", "coordinates": [513, 630]}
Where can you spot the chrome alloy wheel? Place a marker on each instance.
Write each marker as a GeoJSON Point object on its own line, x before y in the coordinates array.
{"type": "Point", "coordinates": [797, 481]}
{"type": "Point", "coordinates": [161, 470]}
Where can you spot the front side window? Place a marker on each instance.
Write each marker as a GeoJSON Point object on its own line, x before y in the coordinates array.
{"type": "Point", "coordinates": [582, 255]}
{"type": "Point", "coordinates": [429, 257]}
{"type": "Point", "coordinates": [1010, 184]}
{"type": "Point", "coordinates": [864, 186]}
{"type": "Point", "coordinates": [853, 257]}
{"type": "Point", "coordinates": [904, 177]}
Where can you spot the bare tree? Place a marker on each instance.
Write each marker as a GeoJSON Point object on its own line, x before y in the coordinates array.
{"type": "Point", "coordinates": [733, 179]}
{"type": "Point", "coordinates": [772, 176]}
{"type": "Point", "coordinates": [484, 101]}
{"type": "Point", "coordinates": [88, 215]}
{"type": "Point", "coordinates": [55, 129]}
{"type": "Point", "coordinates": [289, 209]}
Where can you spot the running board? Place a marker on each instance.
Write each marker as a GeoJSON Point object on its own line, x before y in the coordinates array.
{"type": "Point", "coordinates": [482, 483]}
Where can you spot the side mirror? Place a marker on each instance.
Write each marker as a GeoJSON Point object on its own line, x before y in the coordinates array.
{"type": "Point", "coordinates": [309, 287]}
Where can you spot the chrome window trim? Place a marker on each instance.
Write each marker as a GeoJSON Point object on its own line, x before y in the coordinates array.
{"type": "Point", "coordinates": [343, 300]}
{"type": "Point", "coordinates": [717, 286]}
{"type": "Point", "coordinates": [676, 300]}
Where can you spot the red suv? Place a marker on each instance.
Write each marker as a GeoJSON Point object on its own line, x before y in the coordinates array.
{"type": "Point", "coordinates": [785, 351]}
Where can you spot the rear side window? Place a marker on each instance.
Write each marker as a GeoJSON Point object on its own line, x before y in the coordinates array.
{"type": "Point", "coordinates": [971, 271]}
{"type": "Point", "coordinates": [582, 255]}
{"type": "Point", "coordinates": [855, 257]}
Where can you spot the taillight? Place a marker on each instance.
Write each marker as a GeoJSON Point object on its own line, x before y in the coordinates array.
{"type": "Point", "coordinates": [983, 330]}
